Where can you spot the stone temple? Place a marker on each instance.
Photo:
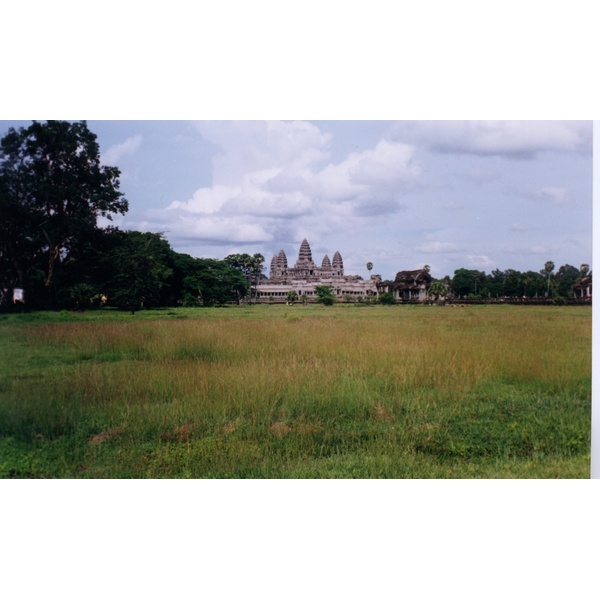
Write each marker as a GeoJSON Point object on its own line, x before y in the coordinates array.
{"type": "Point", "coordinates": [305, 275]}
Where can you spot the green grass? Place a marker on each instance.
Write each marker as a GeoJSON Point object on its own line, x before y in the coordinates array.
{"type": "Point", "coordinates": [297, 391]}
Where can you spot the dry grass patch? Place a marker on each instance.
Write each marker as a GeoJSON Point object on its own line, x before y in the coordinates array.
{"type": "Point", "coordinates": [280, 429]}
{"type": "Point", "coordinates": [379, 412]}
{"type": "Point", "coordinates": [104, 436]}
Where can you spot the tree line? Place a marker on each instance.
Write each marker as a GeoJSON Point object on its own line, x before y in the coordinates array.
{"type": "Point", "coordinates": [545, 283]}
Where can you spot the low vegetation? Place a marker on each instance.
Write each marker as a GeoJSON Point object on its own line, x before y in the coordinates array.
{"type": "Point", "coordinates": [297, 391]}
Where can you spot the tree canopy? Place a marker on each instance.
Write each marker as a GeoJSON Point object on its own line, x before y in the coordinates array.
{"type": "Point", "coordinates": [53, 188]}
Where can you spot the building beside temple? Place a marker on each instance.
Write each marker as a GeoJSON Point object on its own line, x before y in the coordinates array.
{"type": "Point", "coordinates": [583, 287]}
{"type": "Point", "coordinates": [305, 276]}
{"type": "Point", "coordinates": [409, 286]}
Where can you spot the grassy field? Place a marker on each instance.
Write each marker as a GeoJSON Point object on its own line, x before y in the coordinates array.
{"type": "Point", "coordinates": [297, 391]}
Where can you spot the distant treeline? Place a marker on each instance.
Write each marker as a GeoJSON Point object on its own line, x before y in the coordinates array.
{"type": "Point", "coordinates": [129, 270]}
{"type": "Point", "coordinates": [546, 283]}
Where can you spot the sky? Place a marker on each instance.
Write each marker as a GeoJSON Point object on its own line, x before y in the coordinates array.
{"type": "Point", "coordinates": [401, 194]}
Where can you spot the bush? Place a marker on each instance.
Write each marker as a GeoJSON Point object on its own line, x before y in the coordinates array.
{"type": "Point", "coordinates": [324, 295]}
{"type": "Point", "coordinates": [387, 298]}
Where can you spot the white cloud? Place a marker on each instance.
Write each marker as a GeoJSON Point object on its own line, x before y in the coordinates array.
{"type": "Point", "coordinates": [115, 153]}
{"type": "Point", "coordinates": [479, 261]}
{"type": "Point", "coordinates": [212, 229]}
{"type": "Point", "coordinates": [206, 201]}
{"type": "Point", "coordinates": [275, 176]}
{"type": "Point", "coordinates": [517, 139]}
{"type": "Point", "coordinates": [549, 195]}
{"type": "Point", "coordinates": [552, 195]}
{"type": "Point", "coordinates": [257, 202]}
{"type": "Point", "coordinates": [438, 247]}
{"type": "Point", "coordinates": [248, 146]}
{"type": "Point", "coordinates": [370, 178]}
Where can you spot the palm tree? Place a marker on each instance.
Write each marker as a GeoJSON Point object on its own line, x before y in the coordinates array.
{"type": "Point", "coordinates": [437, 289]}
{"type": "Point", "coordinates": [548, 268]}
{"type": "Point", "coordinates": [426, 268]}
{"type": "Point", "coordinates": [370, 267]}
{"type": "Point", "coordinates": [252, 267]}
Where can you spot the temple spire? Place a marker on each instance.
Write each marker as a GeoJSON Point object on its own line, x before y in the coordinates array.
{"type": "Point", "coordinates": [338, 263]}
{"type": "Point", "coordinates": [305, 254]}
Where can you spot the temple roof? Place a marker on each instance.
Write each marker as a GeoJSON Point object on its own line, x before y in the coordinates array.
{"type": "Point", "coordinates": [413, 276]}
{"type": "Point", "coordinates": [326, 264]}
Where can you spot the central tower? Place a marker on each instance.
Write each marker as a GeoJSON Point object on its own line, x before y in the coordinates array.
{"type": "Point", "coordinates": [304, 267]}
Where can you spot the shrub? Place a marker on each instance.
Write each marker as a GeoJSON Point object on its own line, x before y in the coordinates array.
{"type": "Point", "coordinates": [387, 298]}
{"type": "Point", "coordinates": [325, 295]}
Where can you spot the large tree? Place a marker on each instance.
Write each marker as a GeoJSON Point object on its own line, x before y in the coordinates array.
{"type": "Point", "coordinates": [53, 188]}
{"type": "Point", "coordinates": [205, 281]}
{"type": "Point", "coordinates": [513, 283]}
{"type": "Point", "coordinates": [565, 279]}
{"type": "Point", "coordinates": [468, 282]}
{"type": "Point", "coordinates": [140, 270]}
{"type": "Point", "coordinates": [250, 266]}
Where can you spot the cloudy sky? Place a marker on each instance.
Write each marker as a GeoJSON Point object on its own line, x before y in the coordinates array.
{"type": "Point", "coordinates": [401, 194]}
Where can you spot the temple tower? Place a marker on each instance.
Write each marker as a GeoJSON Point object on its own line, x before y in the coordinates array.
{"type": "Point", "coordinates": [305, 267]}
{"type": "Point", "coordinates": [305, 254]}
{"type": "Point", "coordinates": [279, 267]}
{"type": "Point", "coordinates": [326, 269]}
{"type": "Point", "coordinates": [338, 265]}
{"type": "Point", "coordinates": [282, 261]}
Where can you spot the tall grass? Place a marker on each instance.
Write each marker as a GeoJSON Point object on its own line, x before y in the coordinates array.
{"type": "Point", "coordinates": [277, 391]}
